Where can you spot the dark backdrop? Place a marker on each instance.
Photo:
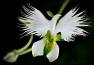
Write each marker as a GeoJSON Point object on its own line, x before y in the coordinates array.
{"type": "Point", "coordinates": [79, 52]}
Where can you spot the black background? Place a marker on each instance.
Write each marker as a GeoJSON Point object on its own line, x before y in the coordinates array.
{"type": "Point", "coordinates": [79, 52]}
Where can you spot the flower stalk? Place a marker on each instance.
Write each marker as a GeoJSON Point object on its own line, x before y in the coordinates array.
{"type": "Point", "coordinates": [60, 10]}
{"type": "Point", "coordinates": [63, 6]}
{"type": "Point", "coordinates": [13, 55]}
{"type": "Point", "coordinates": [26, 51]}
{"type": "Point", "coordinates": [26, 46]}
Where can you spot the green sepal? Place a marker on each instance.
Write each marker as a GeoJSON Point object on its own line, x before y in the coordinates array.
{"type": "Point", "coordinates": [58, 37]}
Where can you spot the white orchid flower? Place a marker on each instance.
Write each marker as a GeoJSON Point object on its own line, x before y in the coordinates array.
{"type": "Point", "coordinates": [68, 25]}
{"type": "Point", "coordinates": [34, 22]}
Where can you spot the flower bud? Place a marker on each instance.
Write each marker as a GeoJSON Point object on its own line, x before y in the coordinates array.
{"type": "Point", "coordinates": [11, 57]}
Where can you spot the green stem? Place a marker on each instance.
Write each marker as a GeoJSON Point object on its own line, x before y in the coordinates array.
{"type": "Point", "coordinates": [26, 51]}
{"type": "Point", "coordinates": [26, 46]}
{"type": "Point", "coordinates": [63, 6]}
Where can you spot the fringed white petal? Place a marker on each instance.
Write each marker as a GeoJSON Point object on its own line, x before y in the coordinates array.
{"type": "Point", "coordinates": [70, 24]}
{"type": "Point", "coordinates": [53, 54]}
{"type": "Point", "coordinates": [38, 24]}
{"type": "Point", "coordinates": [38, 48]}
